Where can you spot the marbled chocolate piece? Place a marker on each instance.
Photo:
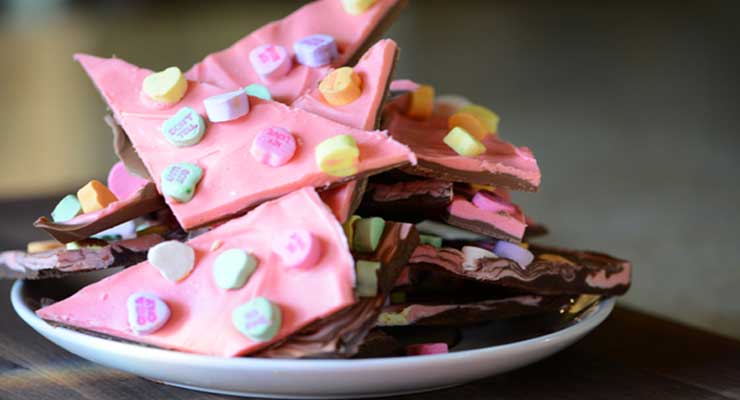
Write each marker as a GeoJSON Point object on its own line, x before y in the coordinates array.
{"type": "Point", "coordinates": [410, 201]}
{"type": "Point", "coordinates": [570, 272]}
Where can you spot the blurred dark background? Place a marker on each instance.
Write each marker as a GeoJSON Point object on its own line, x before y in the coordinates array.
{"type": "Point", "coordinates": [631, 108]}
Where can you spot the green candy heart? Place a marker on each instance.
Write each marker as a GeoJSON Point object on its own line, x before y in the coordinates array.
{"type": "Point", "coordinates": [367, 234]}
{"type": "Point", "coordinates": [179, 181]}
{"type": "Point", "coordinates": [435, 241]}
{"type": "Point", "coordinates": [259, 319]}
{"type": "Point", "coordinates": [185, 128]}
{"type": "Point", "coordinates": [367, 278]}
{"type": "Point", "coordinates": [257, 90]}
{"type": "Point", "coordinates": [67, 208]}
{"type": "Point", "coordinates": [232, 268]}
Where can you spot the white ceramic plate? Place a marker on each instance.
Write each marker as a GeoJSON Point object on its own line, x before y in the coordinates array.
{"type": "Point", "coordinates": [314, 378]}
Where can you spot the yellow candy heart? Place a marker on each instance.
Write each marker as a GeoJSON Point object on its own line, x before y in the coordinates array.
{"type": "Point", "coordinates": [342, 86]}
{"type": "Point", "coordinates": [166, 87]}
{"type": "Point", "coordinates": [469, 122]}
{"type": "Point", "coordinates": [357, 7]}
{"type": "Point", "coordinates": [338, 156]}
{"type": "Point", "coordinates": [421, 103]}
{"type": "Point", "coordinates": [488, 118]}
{"type": "Point", "coordinates": [554, 258]}
{"type": "Point", "coordinates": [464, 143]}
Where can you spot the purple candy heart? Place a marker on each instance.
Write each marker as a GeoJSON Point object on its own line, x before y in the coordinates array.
{"type": "Point", "coordinates": [316, 50]}
{"type": "Point", "coordinates": [514, 252]}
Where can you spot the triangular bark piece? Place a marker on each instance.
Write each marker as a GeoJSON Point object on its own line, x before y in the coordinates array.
{"type": "Point", "coordinates": [201, 311]}
{"type": "Point", "coordinates": [232, 180]}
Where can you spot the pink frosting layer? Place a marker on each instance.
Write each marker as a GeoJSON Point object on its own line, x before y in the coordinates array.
{"type": "Point", "coordinates": [511, 224]}
{"type": "Point", "coordinates": [375, 69]}
{"type": "Point", "coordinates": [339, 199]}
{"type": "Point", "coordinates": [230, 68]}
{"type": "Point", "coordinates": [425, 139]}
{"type": "Point", "coordinates": [201, 311]}
{"type": "Point", "coordinates": [232, 179]}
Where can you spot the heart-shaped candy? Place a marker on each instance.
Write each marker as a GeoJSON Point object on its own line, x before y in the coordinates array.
{"type": "Point", "coordinates": [147, 313]}
{"type": "Point", "coordinates": [166, 86]}
{"type": "Point", "coordinates": [273, 146]}
{"type": "Point", "coordinates": [185, 128]}
{"type": "Point", "coordinates": [270, 61]}
{"type": "Point", "coordinates": [297, 248]}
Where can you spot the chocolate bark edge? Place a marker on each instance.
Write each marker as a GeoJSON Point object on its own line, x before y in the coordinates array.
{"type": "Point", "coordinates": [415, 202]}
{"type": "Point", "coordinates": [125, 150]}
{"type": "Point", "coordinates": [146, 200]}
{"type": "Point", "coordinates": [579, 272]}
{"type": "Point", "coordinates": [498, 179]}
{"type": "Point", "coordinates": [479, 227]}
{"type": "Point", "coordinates": [61, 262]}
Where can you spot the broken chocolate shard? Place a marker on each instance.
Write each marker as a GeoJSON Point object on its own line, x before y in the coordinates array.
{"type": "Point", "coordinates": [61, 262]}
{"type": "Point", "coordinates": [407, 201]}
{"type": "Point", "coordinates": [145, 201]}
{"type": "Point", "coordinates": [341, 334]}
{"type": "Point", "coordinates": [125, 150]}
{"type": "Point", "coordinates": [471, 313]}
{"type": "Point", "coordinates": [553, 272]}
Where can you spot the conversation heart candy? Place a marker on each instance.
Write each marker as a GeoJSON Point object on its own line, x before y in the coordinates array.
{"type": "Point", "coordinates": [471, 256]}
{"type": "Point", "coordinates": [357, 7]}
{"type": "Point", "coordinates": [435, 241]}
{"type": "Point", "coordinates": [147, 313]}
{"type": "Point", "coordinates": [227, 106]}
{"type": "Point", "coordinates": [469, 122]}
{"type": "Point", "coordinates": [259, 319]}
{"type": "Point", "coordinates": [123, 183]}
{"type": "Point", "coordinates": [42, 245]}
{"type": "Point", "coordinates": [349, 228]}
{"type": "Point", "coordinates": [464, 143]}
{"type": "Point", "coordinates": [167, 87]}
{"type": "Point", "coordinates": [316, 50]}
{"type": "Point", "coordinates": [338, 155]}
{"type": "Point", "coordinates": [342, 86]}
{"type": "Point", "coordinates": [514, 252]}
{"type": "Point", "coordinates": [270, 61]}
{"type": "Point", "coordinates": [297, 248]}
{"type": "Point", "coordinates": [273, 146]}
{"type": "Point", "coordinates": [257, 90]}
{"type": "Point", "coordinates": [367, 278]}
{"type": "Point", "coordinates": [173, 259]}
{"type": "Point", "coordinates": [95, 196]}
{"type": "Point", "coordinates": [67, 208]}
{"type": "Point", "coordinates": [425, 349]}
{"type": "Point", "coordinates": [367, 234]}
{"type": "Point", "coordinates": [488, 118]}
{"type": "Point", "coordinates": [185, 128]}
{"type": "Point", "coordinates": [179, 181]}
{"type": "Point", "coordinates": [421, 103]}
{"type": "Point", "coordinates": [232, 268]}
{"type": "Point", "coordinates": [488, 201]}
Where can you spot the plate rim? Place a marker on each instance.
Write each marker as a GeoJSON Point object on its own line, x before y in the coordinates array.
{"type": "Point", "coordinates": [588, 323]}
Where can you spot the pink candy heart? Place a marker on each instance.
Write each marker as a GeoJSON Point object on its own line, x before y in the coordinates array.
{"type": "Point", "coordinates": [147, 313]}
{"type": "Point", "coordinates": [425, 349]}
{"type": "Point", "coordinates": [270, 61]}
{"type": "Point", "coordinates": [122, 183]}
{"type": "Point", "coordinates": [273, 146]}
{"type": "Point", "coordinates": [297, 248]}
{"type": "Point", "coordinates": [490, 202]}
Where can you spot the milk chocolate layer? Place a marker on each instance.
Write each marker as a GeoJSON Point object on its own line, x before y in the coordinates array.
{"type": "Point", "coordinates": [341, 334]}
{"type": "Point", "coordinates": [470, 313]}
{"type": "Point", "coordinates": [407, 201]}
{"type": "Point", "coordinates": [571, 272]}
{"type": "Point", "coordinates": [146, 200]}
{"type": "Point", "coordinates": [60, 262]}
{"type": "Point", "coordinates": [498, 179]}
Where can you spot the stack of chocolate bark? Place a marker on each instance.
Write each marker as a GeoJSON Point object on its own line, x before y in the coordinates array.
{"type": "Point", "coordinates": [286, 198]}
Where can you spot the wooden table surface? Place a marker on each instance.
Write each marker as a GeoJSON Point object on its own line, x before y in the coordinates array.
{"type": "Point", "coordinates": [631, 356]}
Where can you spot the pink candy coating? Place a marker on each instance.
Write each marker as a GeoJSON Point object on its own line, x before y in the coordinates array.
{"type": "Point", "coordinates": [490, 202]}
{"type": "Point", "coordinates": [270, 61]}
{"type": "Point", "coordinates": [297, 248]}
{"type": "Point", "coordinates": [122, 183]}
{"type": "Point", "coordinates": [427, 349]}
{"type": "Point", "coordinates": [273, 146]}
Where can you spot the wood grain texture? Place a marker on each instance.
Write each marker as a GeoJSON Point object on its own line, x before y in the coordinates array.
{"type": "Point", "coordinates": [631, 356]}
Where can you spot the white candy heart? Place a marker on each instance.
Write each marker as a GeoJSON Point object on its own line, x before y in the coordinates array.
{"type": "Point", "coordinates": [472, 254]}
{"type": "Point", "coordinates": [147, 313]}
{"type": "Point", "coordinates": [173, 259]}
